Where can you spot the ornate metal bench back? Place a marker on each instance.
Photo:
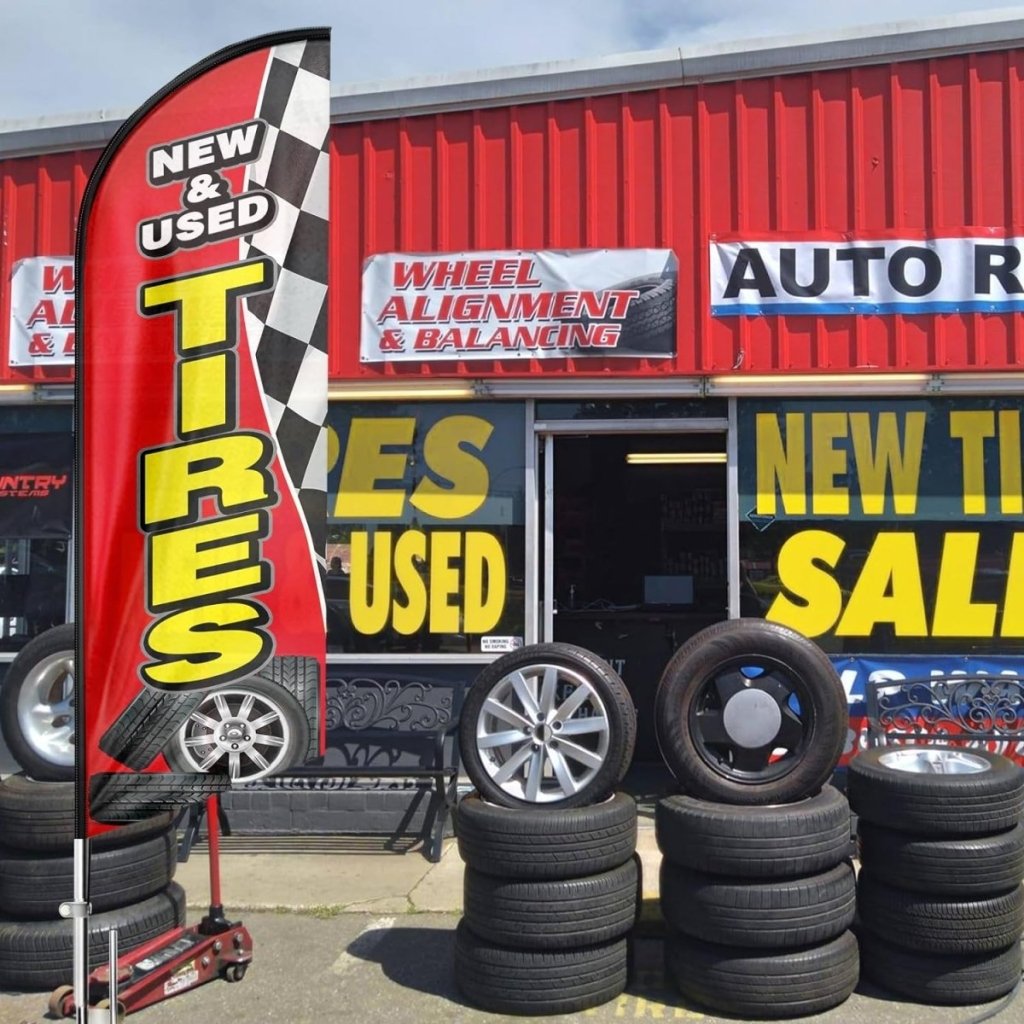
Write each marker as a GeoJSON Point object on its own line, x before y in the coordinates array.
{"type": "Point", "coordinates": [385, 721]}
{"type": "Point", "coordinates": [951, 708]}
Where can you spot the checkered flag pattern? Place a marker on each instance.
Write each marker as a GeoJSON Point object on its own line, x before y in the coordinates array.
{"type": "Point", "coordinates": [287, 327]}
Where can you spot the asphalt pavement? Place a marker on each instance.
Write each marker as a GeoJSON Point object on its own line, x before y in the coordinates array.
{"type": "Point", "coordinates": [344, 931]}
{"type": "Point", "coordinates": [397, 968]}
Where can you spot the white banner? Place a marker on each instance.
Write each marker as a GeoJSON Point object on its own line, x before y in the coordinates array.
{"type": "Point", "coordinates": [519, 305]}
{"type": "Point", "coordinates": [43, 312]}
{"type": "Point", "coordinates": [840, 277]}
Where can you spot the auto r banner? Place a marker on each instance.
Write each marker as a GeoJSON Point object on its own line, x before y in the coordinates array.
{"type": "Point", "coordinates": [201, 381]}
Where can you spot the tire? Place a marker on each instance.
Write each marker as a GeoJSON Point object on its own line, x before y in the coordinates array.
{"type": "Point", "coordinates": [950, 980]}
{"type": "Point", "coordinates": [143, 729]}
{"type": "Point", "coordinates": [547, 768]}
{"type": "Point", "coordinates": [301, 678]}
{"type": "Point", "coordinates": [972, 803]}
{"type": "Point", "coordinates": [757, 984]}
{"type": "Point", "coordinates": [962, 866]}
{"type": "Point", "coordinates": [930, 924]}
{"type": "Point", "coordinates": [737, 692]}
{"type": "Point", "coordinates": [238, 747]}
{"type": "Point", "coordinates": [36, 955]}
{"type": "Point", "coordinates": [802, 838]}
{"type": "Point", "coordinates": [545, 842]}
{"type": "Point", "coordinates": [33, 887]}
{"type": "Point", "coordinates": [42, 676]}
{"type": "Point", "coordinates": [650, 322]}
{"type": "Point", "coordinates": [40, 817]}
{"type": "Point", "coordinates": [535, 982]}
{"type": "Point", "coordinates": [552, 914]}
{"type": "Point", "coordinates": [775, 914]}
{"type": "Point", "coordinates": [119, 798]}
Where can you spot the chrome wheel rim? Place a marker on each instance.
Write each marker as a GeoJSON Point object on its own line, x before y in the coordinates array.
{"type": "Point", "coordinates": [46, 709]}
{"type": "Point", "coordinates": [543, 734]}
{"type": "Point", "coordinates": [924, 761]}
{"type": "Point", "coordinates": [238, 733]}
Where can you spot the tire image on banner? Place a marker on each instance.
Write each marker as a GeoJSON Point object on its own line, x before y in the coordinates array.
{"type": "Point", "coordinates": [201, 387]}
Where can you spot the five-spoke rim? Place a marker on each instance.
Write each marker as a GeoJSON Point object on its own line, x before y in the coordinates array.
{"type": "Point", "coordinates": [238, 732]}
{"type": "Point", "coordinates": [752, 719]}
{"type": "Point", "coordinates": [46, 712]}
{"type": "Point", "coordinates": [543, 733]}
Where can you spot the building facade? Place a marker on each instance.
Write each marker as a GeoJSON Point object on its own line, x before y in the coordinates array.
{"type": "Point", "coordinates": [621, 349]}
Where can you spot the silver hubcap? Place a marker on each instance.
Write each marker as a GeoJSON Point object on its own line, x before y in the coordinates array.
{"type": "Point", "coordinates": [752, 719]}
{"type": "Point", "coordinates": [543, 733]}
{"type": "Point", "coordinates": [46, 713]}
{"type": "Point", "coordinates": [922, 761]}
{"type": "Point", "coordinates": [239, 731]}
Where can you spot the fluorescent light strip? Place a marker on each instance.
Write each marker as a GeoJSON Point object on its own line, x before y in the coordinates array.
{"type": "Point", "coordinates": [675, 458]}
{"type": "Point", "coordinates": [424, 392]}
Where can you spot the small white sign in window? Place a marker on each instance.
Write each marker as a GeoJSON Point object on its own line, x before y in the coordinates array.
{"type": "Point", "coordinates": [500, 644]}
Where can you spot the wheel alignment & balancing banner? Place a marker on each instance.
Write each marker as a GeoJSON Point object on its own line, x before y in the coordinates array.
{"type": "Point", "coordinates": [201, 400]}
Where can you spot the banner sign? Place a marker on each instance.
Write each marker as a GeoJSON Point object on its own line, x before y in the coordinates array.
{"type": "Point", "coordinates": [519, 305]}
{"type": "Point", "coordinates": [427, 501]}
{"type": "Point", "coordinates": [840, 275]}
{"type": "Point", "coordinates": [202, 400]}
{"type": "Point", "coordinates": [35, 485]}
{"type": "Point", "coordinates": [879, 523]}
{"type": "Point", "coordinates": [857, 673]}
{"type": "Point", "coordinates": [43, 312]}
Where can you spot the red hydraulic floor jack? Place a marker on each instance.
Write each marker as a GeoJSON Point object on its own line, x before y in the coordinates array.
{"type": "Point", "coordinates": [177, 961]}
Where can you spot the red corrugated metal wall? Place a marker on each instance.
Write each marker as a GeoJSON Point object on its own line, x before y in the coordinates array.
{"type": "Point", "coordinates": [39, 200]}
{"type": "Point", "coordinates": [920, 146]}
{"type": "Point", "coordinates": [925, 147]}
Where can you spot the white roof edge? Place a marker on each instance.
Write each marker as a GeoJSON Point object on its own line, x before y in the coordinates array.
{"type": "Point", "coordinates": [530, 83]}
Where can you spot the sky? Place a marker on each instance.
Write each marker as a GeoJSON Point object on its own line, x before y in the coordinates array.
{"type": "Point", "coordinates": [60, 57]}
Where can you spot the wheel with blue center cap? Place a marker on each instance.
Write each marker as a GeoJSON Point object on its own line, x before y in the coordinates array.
{"type": "Point", "coordinates": [750, 712]}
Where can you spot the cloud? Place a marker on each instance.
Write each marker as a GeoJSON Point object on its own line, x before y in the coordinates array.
{"type": "Point", "coordinates": [60, 56]}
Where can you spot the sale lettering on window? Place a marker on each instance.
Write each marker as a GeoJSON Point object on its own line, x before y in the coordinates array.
{"type": "Point", "coordinates": [874, 525]}
{"type": "Point", "coordinates": [426, 517]}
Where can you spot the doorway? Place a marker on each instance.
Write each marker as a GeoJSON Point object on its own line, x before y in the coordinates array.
{"type": "Point", "coordinates": [638, 551]}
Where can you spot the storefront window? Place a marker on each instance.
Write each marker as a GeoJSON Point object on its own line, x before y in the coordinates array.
{"type": "Point", "coordinates": [33, 588]}
{"type": "Point", "coordinates": [425, 528]}
{"type": "Point", "coordinates": [35, 527]}
{"type": "Point", "coordinates": [885, 526]}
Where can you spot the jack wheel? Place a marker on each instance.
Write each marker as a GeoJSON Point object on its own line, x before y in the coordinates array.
{"type": "Point", "coordinates": [104, 1004]}
{"type": "Point", "coordinates": [60, 1003]}
{"type": "Point", "coordinates": [235, 972]}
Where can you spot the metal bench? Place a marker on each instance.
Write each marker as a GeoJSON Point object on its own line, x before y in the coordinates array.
{"type": "Point", "coordinates": [958, 710]}
{"type": "Point", "coordinates": [391, 724]}
{"type": "Point", "coordinates": [399, 725]}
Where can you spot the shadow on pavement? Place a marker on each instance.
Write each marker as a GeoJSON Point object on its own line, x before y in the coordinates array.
{"type": "Point", "coordinates": [416, 958]}
{"type": "Point", "coordinates": [422, 959]}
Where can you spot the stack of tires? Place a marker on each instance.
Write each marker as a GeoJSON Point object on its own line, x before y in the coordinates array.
{"type": "Point", "coordinates": [552, 883]}
{"type": "Point", "coordinates": [940, 903]}
{"type": "Point", "coordinates": [757, 888]}
{"type": "Point", "coordinates": [130, 884]}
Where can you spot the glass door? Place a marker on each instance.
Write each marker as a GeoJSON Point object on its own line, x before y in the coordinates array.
{"type": "Point", "coordinates": [636, 549]}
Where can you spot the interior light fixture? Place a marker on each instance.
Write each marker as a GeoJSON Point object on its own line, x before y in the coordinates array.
{"type": "Point", "coordinates": [15, 389]}
{"type": "Point", "coordinates": [675, 458]}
